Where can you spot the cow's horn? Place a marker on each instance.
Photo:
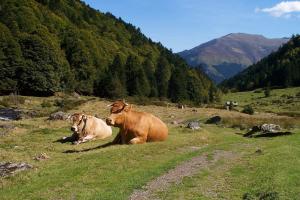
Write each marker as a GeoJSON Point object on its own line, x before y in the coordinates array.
{"type": "Point", "coordinates": [126, 104]}
{"type": "Point", "coordinates": [109, 105]}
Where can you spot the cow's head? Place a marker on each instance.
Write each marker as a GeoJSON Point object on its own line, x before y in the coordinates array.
{"type": "Point", "coordinates": [118, 112]}
{"type": "Point", "coordinates": [78, 122]}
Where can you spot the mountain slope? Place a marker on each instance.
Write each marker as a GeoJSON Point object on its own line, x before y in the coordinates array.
{"type": "Point", "coordinates": [64, 45]}
{"type": "Point", "coordinates": [226, 56]}
{"type": "Point", "coordinates": [281, 69]}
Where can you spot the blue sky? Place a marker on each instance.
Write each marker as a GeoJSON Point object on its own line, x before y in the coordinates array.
{"type": "Point", "coordinates": [183, 24]}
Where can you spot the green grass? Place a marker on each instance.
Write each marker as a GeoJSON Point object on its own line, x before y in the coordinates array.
{"type": "Point", "coordinates": [115, 172]}
{"type": "Point", "coordinates": [109, 173]}
{"type": "Point", "coordinates": [274, 171]}
{"type": "Point", "coordinates": [284, 101]}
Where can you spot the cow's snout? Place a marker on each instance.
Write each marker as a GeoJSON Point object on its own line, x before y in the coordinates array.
{"type": "Point", "coordinates": [73, 128]}
{"type": "Point", "coordinates": [109, 121]}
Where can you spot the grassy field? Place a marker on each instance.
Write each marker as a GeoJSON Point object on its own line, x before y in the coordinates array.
{"type": "Point", "coordinates": [259, 168]}
{"type": "Point", "coordinates": [282, 101]}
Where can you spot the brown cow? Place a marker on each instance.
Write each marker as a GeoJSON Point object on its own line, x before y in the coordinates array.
{"type": "Point", "coordinates": [135, 127]}
{"type": "Point", "coordinates": [86, 127]}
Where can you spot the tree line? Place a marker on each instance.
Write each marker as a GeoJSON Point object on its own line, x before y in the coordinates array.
{"type": "Point", "coordinates": [48, 46]}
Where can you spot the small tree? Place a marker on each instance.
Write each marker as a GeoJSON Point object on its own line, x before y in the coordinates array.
{"type": "Point", "coordinates": [267, 92]}
{"type": "Point", "coordinates": [248, 110]}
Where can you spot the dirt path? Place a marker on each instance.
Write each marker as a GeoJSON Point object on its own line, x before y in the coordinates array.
{"type": "Point", "coordinates": [175, 176]}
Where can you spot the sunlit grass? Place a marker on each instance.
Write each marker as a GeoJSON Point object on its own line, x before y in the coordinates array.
{"type": "Point", "coordinates": [115, 172]}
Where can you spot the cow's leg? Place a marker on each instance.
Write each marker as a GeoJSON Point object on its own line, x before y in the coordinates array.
{"type": "Point", "coordinates": [117, 139]}
{"type": "Point", "coordinates": [85, 139]}
{"type": "Point", "coordinates": [137, 140]}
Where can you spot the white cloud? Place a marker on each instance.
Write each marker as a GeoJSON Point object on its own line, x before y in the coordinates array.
{"type": "Point", "coordinates": [282, 9]}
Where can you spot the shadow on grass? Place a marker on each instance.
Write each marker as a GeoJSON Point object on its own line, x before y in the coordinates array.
{"type": "Point", "coordinates": [90, 149]}
{"type": "Point", "coordinates": [267, 134]}
{"type": "Point", "coordinates": [66, 139]}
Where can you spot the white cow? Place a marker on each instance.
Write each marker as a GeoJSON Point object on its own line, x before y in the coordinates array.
{"type": "Point", "coordinates": [86, 127]}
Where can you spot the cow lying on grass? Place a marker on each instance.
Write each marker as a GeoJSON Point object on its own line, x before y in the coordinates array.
{"type": "Point", "coordinates": [86, 128]}
{"type": "Point", "coordinates": [135, 127]}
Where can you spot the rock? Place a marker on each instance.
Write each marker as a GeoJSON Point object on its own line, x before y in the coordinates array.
{"type": "Point", "coordinates": [172, 116]}
{"type": "Point", "coordinates": [214, 120]}
{"type": "Point", "coordinates": [41, 156]}
{"type": "Point", "coordinates": [9, 168]}
{"type": "Point", "coordinates": [7, 114]}
{"type": "Point", "coordinates": [193, 125]}
{"type": "Point", "coordinates": [270, 128]}
{"type": "Point", "coordinates": [174, 122]}
{"type": "Point", "coordinates": [258, 151]}
{"type": "Point", "coordinates": [31, 113]}
{"type": "Point", "coordinates": [58, 116]}
{"type": "Point", "coordinates": [181, 106]}
{"type": "Point", "coordinates": [76, 95]}
{"type": "Point", "coordinates": [266, 130]}
{"type": "Point", "coordinates": [59, 94]}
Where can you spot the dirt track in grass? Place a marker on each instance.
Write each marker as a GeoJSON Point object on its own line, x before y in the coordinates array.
{"type": "Point", "coordinates": [176, 175]}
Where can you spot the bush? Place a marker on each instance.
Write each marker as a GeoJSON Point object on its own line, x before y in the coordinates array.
{"type": "Point", "coordinates": [248, 110]}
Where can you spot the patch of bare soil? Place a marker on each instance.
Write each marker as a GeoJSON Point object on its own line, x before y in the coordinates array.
{"type": "Point", "coordinates": [175, 176]}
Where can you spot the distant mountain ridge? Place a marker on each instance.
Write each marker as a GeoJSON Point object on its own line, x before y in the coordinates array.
{"type": "Point", "coordinates": [279, 69]}
{"type": "Point", "coordinates": [226, 56]}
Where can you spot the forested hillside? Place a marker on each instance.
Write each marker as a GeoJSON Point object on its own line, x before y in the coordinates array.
{"type": "Point", "coordinates": [64, 45]}
{"type": "Point", "coordinates": [281, 68]}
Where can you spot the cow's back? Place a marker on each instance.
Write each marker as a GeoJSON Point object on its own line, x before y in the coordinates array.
{"type": "Point", "coordinates": [98, 128]}
{"type": "Point", "coordinates": [144, 125]}
{"type": "Point", "coordinates": [158, 130]}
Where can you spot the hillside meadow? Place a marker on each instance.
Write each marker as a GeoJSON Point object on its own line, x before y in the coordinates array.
{"type": "Point", "coordinates": [284, 101]}
{"type": "Point", "coordinates": [232, 166]}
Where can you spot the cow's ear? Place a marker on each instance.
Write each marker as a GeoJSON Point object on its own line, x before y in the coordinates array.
{"type": "Point", "coordinates": [128, 108]}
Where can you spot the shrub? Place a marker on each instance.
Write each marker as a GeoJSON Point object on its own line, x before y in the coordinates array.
{"type": "Point", "coordinates": [248, 110]}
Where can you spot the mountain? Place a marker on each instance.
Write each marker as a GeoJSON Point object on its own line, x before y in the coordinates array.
{"type": "Point", "coordinates": [279, 69]}
{"type": "Point", "coordinates": [64, 45]}
{"type": "Point", "coordinates": [226, 56]}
